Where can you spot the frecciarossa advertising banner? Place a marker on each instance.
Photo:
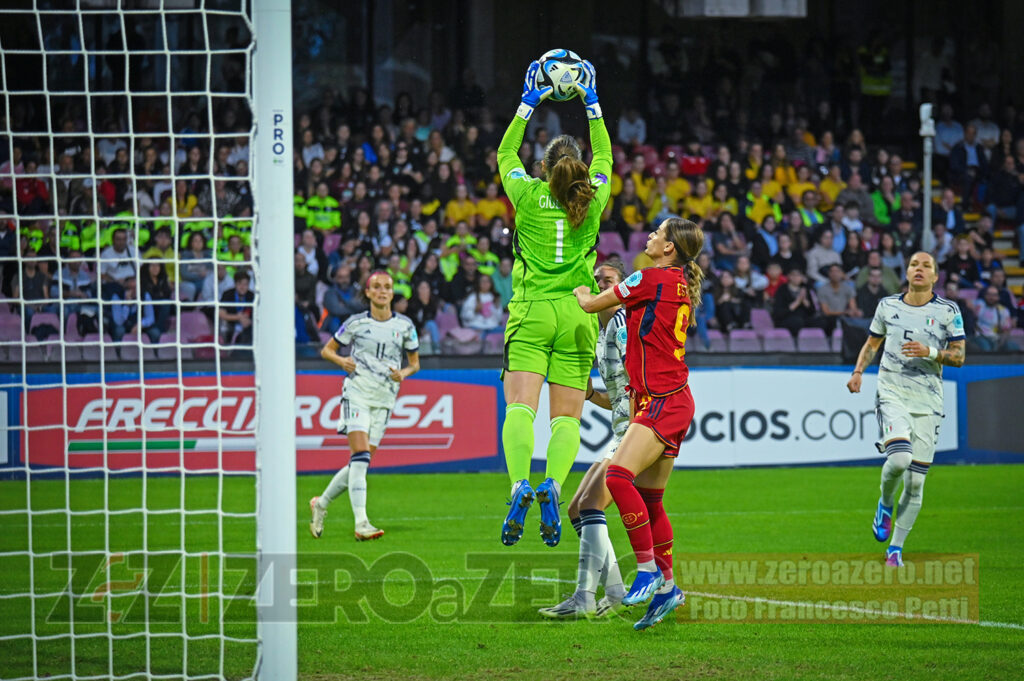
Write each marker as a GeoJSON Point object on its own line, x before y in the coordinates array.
{"type": "Point", "coordinates": [451, 419]}
{"type": "Point", "coordinates": [200, 425]}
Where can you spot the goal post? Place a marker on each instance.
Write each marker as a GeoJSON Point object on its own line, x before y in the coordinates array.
{"type": "Point", "coordinates": [275, 342]}
{"type": "Point", "coordinates": [147, 467]}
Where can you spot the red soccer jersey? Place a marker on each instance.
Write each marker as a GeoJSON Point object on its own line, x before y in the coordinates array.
{"type": "Point", "coordinates": [657, 316]}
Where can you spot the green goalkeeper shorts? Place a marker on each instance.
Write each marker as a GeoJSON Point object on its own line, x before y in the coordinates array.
{"type": "Point", "coordinates": [553, 338]}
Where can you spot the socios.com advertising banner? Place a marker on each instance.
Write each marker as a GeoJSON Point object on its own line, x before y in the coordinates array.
{"type": "Point", "coordinates": [764, 417]}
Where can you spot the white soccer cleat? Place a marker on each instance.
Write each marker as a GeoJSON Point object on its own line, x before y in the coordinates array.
{"type": "Point", "coordinates": [609, 606]}
{"type": "Point", "coordinates": [570, 609]}
{"type": "Point", "coordinates": [316, 524]}
{"type": "Point", "coordinates": [366, 531]}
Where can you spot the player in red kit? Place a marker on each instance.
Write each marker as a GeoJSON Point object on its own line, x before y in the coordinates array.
{"type": "Point", "coordinates": [658, 313]}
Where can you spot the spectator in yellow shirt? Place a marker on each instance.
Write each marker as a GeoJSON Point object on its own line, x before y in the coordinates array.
{"type": "Point", "coordinates": [803, 184]}
{"type": "Point", "coordinates": [699, 203]}
{"type": "Point", "coordinates": [755, 159]}
{"type": "Point", "coordinates": [677, 187]}
{"type": "Point", "coordinates": [831, 186]}
{"type": "Point", "coordinates": [770, 187]}
{"type": "Point", "coordinates": [641, 180]}
{"type": "Point", "coordinates": [785, 173]}
{"type": "Point", "coordinates": [490, 207]}
{"type": "Point", "coordinates": [721, 201]}
{"type": "Point", "coordinates": [629, 210]}
{"type": "Point", "coordinates": [461, 208]}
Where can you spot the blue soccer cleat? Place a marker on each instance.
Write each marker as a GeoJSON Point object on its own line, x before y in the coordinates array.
{"type": "Point", "coordinates": [894, 556]}
{"type": "Point", "coordinates": [645, 584]}
{"type": "Point", "coordinates": [550, 521]}
{"type": "Point", "coordinates": [661, 605]}
{"type": "Point", "coordinates": [881, 526]}
{"type": "Point", "coordinates": [522, 499]}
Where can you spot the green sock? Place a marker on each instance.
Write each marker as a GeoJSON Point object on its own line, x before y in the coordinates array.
{"type": "Point", "coordinates": [517, 438]}
{"type": "Point", "coordinates": [562, 447]}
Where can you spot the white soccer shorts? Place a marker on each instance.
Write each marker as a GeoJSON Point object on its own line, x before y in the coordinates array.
{"type": "Point", "coordinates": [356, 417]}
{"type": "Point", "coordinates": [612, 447]}
{"type": "Point", "coordinates": [922, 430]}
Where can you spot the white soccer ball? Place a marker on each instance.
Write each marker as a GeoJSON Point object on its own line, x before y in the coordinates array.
{"type": "Point", "coordinates": [561, 70]}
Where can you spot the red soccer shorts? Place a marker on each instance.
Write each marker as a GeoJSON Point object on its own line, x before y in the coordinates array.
{"type": "Point", "coordinates": [669, 417]}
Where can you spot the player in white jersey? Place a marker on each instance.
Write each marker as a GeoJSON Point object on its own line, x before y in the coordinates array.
{"type": "Point", "coordinates": [598, 565]}
{"type": "Point", "coordinates": [921, 332]}
{"type": "Point", "coordinates": [379, 338]}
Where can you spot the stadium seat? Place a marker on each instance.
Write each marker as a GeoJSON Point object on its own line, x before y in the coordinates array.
{"type": "Point", "coordinates": [638, 240]}
{"type": "Point", "coordinates": [461, 341]}
{"type": "Point", "coordinates": [36, 353]}
{"type": "Point", "coordinates": [324, 337]}
{"type": "Point", "coordinates": [671, 151]}
{"type": "Point", "coordinates": [650, 154]}
{"type": "Point", "coordinates": [837, 339]}
{"type": "Point", "coordinates": [744, 340]}
{"type": "Point", "coordinates": [331, 242]}
{"type": "Point", "coordinates": [71, 328]}
{"type": "Point", "coordinates": [10, 329]}
{"type": "Point", "coordinates": [717, 341]}
{"type": "Point", "coordinates": [40, 318]}
{"type": "Point", "coordinates": [446, 321]}
{"type": "Point", "coordinates": [494, 344]}
{"type": "Point", "coordinates": [610, 243]}
{"type": "Point", "coordinates": [194, 325]}
{"type": "Point", "coordinates": [969, 293]}
{"type": "Point", "coordinates": [761, 320]}
{"type": "Point", "coordinates": [812, 340]}
{"type": "Point", "coordinates": [778, 340]}
{"type": "Point", "coordinates": [1017, 336]}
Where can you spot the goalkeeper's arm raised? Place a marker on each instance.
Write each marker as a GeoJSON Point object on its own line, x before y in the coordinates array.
{"type": "Point", "coordinates": [508, 151]}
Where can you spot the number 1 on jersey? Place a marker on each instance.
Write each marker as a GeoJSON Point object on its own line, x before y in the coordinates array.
{"type": "Point", "coordinates": [559, 231]}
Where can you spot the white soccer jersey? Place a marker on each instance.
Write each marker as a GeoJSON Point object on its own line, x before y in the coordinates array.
{"type": "Point", "coordinates": [914, 382]}
{"type": "Point", "coordinates": [611, 353]}
{"type": "Point", "coordinates": [377, 348]}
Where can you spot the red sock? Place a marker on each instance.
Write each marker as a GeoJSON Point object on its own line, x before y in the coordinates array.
{"type": "Point", "coordinates": [634, 513]}
{"type": "Point", "coordinates": [661, 529]}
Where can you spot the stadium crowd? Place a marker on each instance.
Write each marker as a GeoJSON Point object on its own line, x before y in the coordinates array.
{"type": "Point", "coordinates": [807, 224]}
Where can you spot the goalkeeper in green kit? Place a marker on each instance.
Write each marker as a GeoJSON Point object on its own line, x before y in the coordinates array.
{"type": "Point", "coordinates": [548, 335]}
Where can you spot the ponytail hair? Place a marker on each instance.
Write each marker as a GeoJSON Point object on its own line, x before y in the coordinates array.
{"type": "Point", "coordinates": [688, 239]}
{"type": "Point", "coordinates": [568, 178]}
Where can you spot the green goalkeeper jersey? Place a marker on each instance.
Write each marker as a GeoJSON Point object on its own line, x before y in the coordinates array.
{"type": "Point", "coordinates": [551, 256]}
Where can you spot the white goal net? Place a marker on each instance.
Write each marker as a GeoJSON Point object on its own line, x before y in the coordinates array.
{"type": "Point", "coordinates": [128, 477]}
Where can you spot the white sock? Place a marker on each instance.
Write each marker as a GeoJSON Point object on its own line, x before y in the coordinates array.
{"type": "Point", "coordinates": [357, 490]}
{"type": "Point", "coordinates": [666, 587]}
{"type": "Point", "coordinates": [611, 577]}
{"type": "Point", "coordinates": [647, 566]}
{"type": "Point", "coordinates": [335, 488]}
{"type": "Point", "coordinates": [897, 460]}
{"type": "Point", "coordinates": [910, 503]}
{"type": "Point", "coordinates": [593, 539]}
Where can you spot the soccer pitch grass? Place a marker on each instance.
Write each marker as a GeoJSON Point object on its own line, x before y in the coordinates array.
{"type": "Point", "coordinates": [438, 597]}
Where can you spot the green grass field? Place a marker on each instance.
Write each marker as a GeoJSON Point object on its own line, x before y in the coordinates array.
{"type": "Point", "coordinates": [440, 598]}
